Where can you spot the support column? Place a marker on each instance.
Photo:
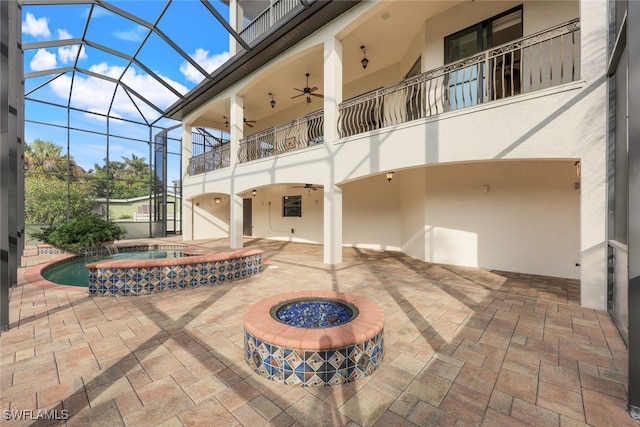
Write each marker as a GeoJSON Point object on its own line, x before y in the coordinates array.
{"type": "Point", "coordinates": [593, 192]}
{"type": "Point", "coordinates": [11, 151]}
{"type": "Point", "coordinates": [188, 232]}
{"type": "Point", "coordinates": [235, 202]}
{"type": "Point", "coordinates": [235, 19]}
{"type": "Point", "coordinates": [332, 192]}
{"type": "Point", "coordinates": [633, 100]}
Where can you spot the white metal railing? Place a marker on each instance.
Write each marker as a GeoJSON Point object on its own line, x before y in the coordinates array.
{"type": "Point", "coordinates": [545, 59]}
{"type": "Point", "coordinates": [300, 133]}
{"type": "Point", "coordinates": [216, 158]}
{"type": "Point", "coordinates": [277, 10]}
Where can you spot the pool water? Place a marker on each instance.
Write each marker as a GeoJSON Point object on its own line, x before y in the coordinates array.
{"type": "Point", "coordinates": [74, 273]}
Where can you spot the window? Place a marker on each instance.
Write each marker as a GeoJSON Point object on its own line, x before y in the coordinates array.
{"type": "Point", "coordinates": [466, 84]}
{"type": "Point", "coordinates": [484, 35]}
{"type": "Point", "coordinates": [415, 69]}
{"type": "Point", "coordinates": [292, 206]}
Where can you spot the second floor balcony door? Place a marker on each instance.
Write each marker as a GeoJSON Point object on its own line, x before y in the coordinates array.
{"type": "Point", "coordinates": [469, 85]}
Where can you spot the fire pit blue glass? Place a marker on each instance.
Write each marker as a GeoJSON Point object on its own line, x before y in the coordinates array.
{"type": "Point", "coordinates": [314, 313]}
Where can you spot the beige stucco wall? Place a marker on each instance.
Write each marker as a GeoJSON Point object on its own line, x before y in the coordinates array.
{"type": "Point", "coordinates": [549, 128]}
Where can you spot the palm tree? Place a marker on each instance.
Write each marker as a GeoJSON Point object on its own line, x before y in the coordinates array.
{"type": "Point", "coordinates": [136, 166]}
{"type": "Point", "coordinates": [45, 157]}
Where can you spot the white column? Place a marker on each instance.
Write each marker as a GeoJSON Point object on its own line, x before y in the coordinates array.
{"type": "Point", "coordinates": [188, 232]}
{"type": "Point", "coordinates": [235, 206]}
{"type": "Point", "coordinates": [593, 195]}
{"type": "Point", "coordinates": [235, 16]}
{"type": "Point", "coordinates": [332, 192]}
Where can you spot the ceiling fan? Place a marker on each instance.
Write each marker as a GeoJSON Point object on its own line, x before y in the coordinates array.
{"type": "Point", "coordinates": [308, 187]}
{"type": "Point", "coordinates": [248, 122]}
{"type": "Point", "coordinates": [308, 91]}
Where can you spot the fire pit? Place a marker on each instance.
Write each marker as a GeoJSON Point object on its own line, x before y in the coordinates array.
{"type": "Point", "coordinates": [314, 338]}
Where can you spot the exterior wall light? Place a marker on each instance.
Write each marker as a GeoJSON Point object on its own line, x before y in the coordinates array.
{"type": "Point", "coordinates": [389, 176]}
{"type": "Point", "coordinates": [254, 193]}
{"type": "Point", "coordinates": [364, 61]}
{"type": "Point", "coordinates": [273, 101]}
{"type": "Point", "coordinates": [217, 200]}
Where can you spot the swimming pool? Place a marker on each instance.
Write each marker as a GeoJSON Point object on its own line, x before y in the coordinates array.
{"type": "Point", "coordinates": [74, 272]}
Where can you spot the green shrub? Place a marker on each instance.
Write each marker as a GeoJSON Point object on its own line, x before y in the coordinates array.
{"type": "Point", "coordinates": [84, 232]}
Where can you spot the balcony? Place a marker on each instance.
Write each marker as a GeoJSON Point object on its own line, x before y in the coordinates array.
{"type": "Point", "coordinates": [209, 153]}
{"type": "Point", "coordinates": [545, 59]}
{"type": "Point", "coordinates": [268, 19]}
{"type": "Point", "coordinates": [295, 135]}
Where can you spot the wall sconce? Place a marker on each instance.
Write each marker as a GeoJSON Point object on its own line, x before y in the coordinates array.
{"type": "Point", "coordinates": [273, 101]}
{"type": "Point", "coordinates": [217, 200]}
{"type": "Point", "coordinates": [389, 176]}
{"type": "Point", "coordinates": [254, 193]}
{"type": "Point", "coordinates": [197, 204]}
{"type": "Point", "coordinates": [226, 121]}
{"type": "Point", "coordinates": [364, 61]}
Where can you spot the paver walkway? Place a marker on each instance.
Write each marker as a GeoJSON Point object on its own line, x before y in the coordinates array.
{"type": "Point", "coordinates": [464, 347]}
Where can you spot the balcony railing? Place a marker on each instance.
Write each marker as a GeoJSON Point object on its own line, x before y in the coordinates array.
{"type": "Point", "coordinates": [545, 59]}
{"type": "Point", "coordinates": [267, 19]}
{"type": "Point", "coordinates": [292, 136]}
{"type": "Point", "coordinates": [209, 153]}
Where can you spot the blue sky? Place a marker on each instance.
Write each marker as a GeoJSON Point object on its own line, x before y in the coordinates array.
{"type": "Point", "coordinates": [187, 23]}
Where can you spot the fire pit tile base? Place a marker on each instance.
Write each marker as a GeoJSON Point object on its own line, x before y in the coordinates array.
{"type": "Point", "coordinates": [311, 368]}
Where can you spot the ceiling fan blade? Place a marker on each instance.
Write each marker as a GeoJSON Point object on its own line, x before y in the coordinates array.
{"type": "Point", "coordinates": [313, 89]}
{"type": "Point", "coordinates": [249, 124]}
{"type": "Point", "coordinates": [302, 94]}
{"type": "Point", "coordinates": [308, 100]}
{"type": "Point", "coordinates": [319, 95]}
{"type": "Point", "coordinates": [299, 90]}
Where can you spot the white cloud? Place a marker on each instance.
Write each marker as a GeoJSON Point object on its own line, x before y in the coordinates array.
{"type": "Point", "coordinates": [134, 35]}
{"type": "Point", "coordinates": [64, 34]}
{"type": "Point", "coordinates": [36, 27]}
{"type": "Point", "coordinates": [209, 63]}
{"type": "Point", "coordinates": [95, 94]}
{"type": "Point", "coordinates": [43, 60]}
{"type": "Point", "coordinates": [68, 54]}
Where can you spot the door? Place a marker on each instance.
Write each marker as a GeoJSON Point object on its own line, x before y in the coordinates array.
{"type": "Point", "coordinates": [466, 86]}
{"type": "Point", "coordinates": [247, 227]}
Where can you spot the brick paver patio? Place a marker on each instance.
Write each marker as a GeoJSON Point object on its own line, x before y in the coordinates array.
{"type": "Point", "coordinates": [463, 346]}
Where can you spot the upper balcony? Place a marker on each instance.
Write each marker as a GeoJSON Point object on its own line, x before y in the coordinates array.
{"type": "Point", "coordinates": [545, 59]}
{"type": "Point", "coordinates": [208, 152]}
{"type": "Point", "coordinates": [266, 15]}
{"type": "Point", "coordinates": [475, 53]}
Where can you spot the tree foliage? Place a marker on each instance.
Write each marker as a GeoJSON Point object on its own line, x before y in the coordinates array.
{"type": "Point", "coordinates": [122, 180]}
{"type": "Point", "coordinates": [45, 157]}
{"type": "Point", "coordinates": [53, 179]}
{"type": "Point", "coordinates": [46, 199]}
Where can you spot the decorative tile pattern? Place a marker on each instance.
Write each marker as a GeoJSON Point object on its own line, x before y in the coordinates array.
{"type": "Point", "coordinates": [149, 279]}
{"type": "Point", "coordinates": [49, 250]}
{"type": "Point", "coordinates": [314, 368]}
